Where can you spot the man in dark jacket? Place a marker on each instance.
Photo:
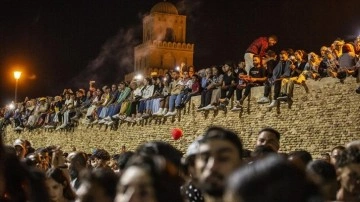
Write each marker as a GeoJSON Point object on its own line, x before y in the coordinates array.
{"type": "Point", "coordinates": [282, 70]}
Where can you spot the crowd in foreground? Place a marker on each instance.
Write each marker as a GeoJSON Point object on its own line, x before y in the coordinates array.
{"type": "Point", "coordinates": [215, 167]}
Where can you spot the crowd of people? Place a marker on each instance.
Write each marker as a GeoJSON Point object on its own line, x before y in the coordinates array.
{"type": "Point", "coordinates": [162, 96]}
{"type": "Point", "coordinates": [215, 167]}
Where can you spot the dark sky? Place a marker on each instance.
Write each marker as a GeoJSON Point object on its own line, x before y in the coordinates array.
{"type": "Point", "coordinates": [60, 44]}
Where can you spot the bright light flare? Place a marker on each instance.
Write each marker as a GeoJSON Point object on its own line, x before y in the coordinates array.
{"type": "Point", "coordinates": [138, 77]}
{"type": "Point", "coordinates": [17, 75]}
{"type": "Point", "coordinates": [177, 68]}
{"type": "Point", "coordinates": [11, 106]}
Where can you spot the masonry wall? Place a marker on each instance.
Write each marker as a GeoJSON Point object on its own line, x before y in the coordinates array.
{"type": "Point", "coordinates": [328, 116]}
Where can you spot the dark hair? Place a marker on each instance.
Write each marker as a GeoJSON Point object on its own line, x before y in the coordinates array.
{"type": "Point", "coordinates": [59, 176]}
{"type": "Point", "coordinates": [271, 130]}
{"type": "Point", "coordinates": [339, 147]}
{"type": "Point", "coordinates": [271, 53]}
{"type": "Point", "coordinates": [197, 78]}
{"type": "Point", "coordinates": [303, 155]}
{"type": "Point", "coordinates": [123, 159]}
{"type": "Point", "coordinates": [262, 151]}
{"type": "Point", "coordinates": [161, 148]}
{"type": "Point", "coordinates": [149, 80]}
{"type": "Point", "coordinates": [15, 174]}
{"type": "Point", "coordinates": [101, 154]}
{"type": "Point", "coordinates": [290, 51]}
{"type": "Point", "coordinates": [80, 157]}
{"type": "Point", "coordinates": [273, 179]}
{"type": "Point", "coordinates": [103, 177]}
{"type": "Point", "coordinates": [165, 181]}
{"type": "Point", "coordinates": [348, 156]}
{"type": "Point", "coordinates": [322, 169]}
{"type": "Point", "coordinates": [220, 133]}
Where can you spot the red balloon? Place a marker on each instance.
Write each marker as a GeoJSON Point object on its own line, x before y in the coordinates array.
{"type": "Point", "coordinates": [176, 133]}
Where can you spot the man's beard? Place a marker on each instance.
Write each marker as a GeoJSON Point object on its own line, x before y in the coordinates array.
{"type": "Point", "coordinates": [213, 185]}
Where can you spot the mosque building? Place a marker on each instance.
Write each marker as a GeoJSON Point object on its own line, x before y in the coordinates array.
{"type": "Point", "coordinates": [164, 46]}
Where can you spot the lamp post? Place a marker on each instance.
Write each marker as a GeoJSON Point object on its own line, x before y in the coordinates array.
{"type": "Point", "coordinates": [17, 75]}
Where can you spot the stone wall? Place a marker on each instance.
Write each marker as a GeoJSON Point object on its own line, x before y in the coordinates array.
{"type": "Point", "coordinates": [326, 117]}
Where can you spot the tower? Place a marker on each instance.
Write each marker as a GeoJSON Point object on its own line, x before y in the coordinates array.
{"type": "Point", "coordinates": [164, 44]}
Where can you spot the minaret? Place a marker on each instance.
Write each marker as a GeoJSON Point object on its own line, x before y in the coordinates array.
{"type": "Point", "coordinates": [164, 44]}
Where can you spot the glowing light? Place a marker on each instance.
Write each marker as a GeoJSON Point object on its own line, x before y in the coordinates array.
{"type": "Point", "coordinates": [17, 75]}
{"type": "Point", "coordinates": [11, 106]}
{"type": "Point", "coordinates": [138, 77]}
{"type": "Point", "coordinates": [177, 68]}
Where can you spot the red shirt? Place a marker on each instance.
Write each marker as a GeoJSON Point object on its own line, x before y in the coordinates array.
{"type": "Point", "coordinates": [258, 46]}
{"type": "Point", "coordinates": [195, 87]}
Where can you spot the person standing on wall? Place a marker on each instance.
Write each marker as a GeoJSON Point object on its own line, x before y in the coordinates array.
{"type": "Point", "coordinates": [258, 47]}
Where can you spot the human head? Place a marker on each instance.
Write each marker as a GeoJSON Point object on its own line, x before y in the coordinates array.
{"type": "Point", "coordinates": [284, 55]}
{"type": "Point", "coordinates": [270, 137]}
{"type": "Point", "coordinates": [300, 158]}
{"type": "Point", "coordinates": [335, 152]}
{"type": "Point", "coordinates": [325, 157]}
{"type": "Point", "coordinates": [185, 74]}
{"type": "Point", "coordinates": [191, 71]}
{"type": "Point", "coordinates": [147, 81]}
{"type": "Point", "coordinates": [175, 75]}
{"type": "Point", "coordinates": [161, 148]}
{"type": "Point", "coordinates": [272, 40]}
{"type": "Point", "coordinates": [299, 55]}
{"type": "Point", "coordinates": [122, 85]}
{"type": "Point", "coordinates": [149, 178]}
{"type": "Point", "coordinates": [338, 44]}
{"type": "Point", "coordinates": [195, 77]}
{"type": "Point", "coordinates": [113, 87]}
{"type": "Point", "coordinates": [348, 48]}
{"type": "Point", "coordinates": [20, 148]}
{"type": "Point", "coordinates": [215, 70]}
{"type": "Point", "coordinates": [323, 174]}
{"type": "Point", "coordinates": [323, 50]}
{"type": "Point", "coordinates": [58, 185]}
{"type": "Point", "coordinates": [220, 152]}
{"type": "Point", "coordinates": [228, 66]}
{"type": "Point", "coordinates": [97, 185]}
{"type": "Point", "coordinates": [262, 151]}
{"type": "Point", "coordinates": [272, 179]}
{"type": "Point", "coordinates": [133, 85]}
{"type": "Point", "coordinates": [76, 161]}
{"type": "Point", "coordinates": [348, 169]}
{"type": "Point", "coordinates": [44, 158]}
{"type": "Point", "coordinates": [123, 159]}
{"type": "Point", "coordinates": [208, 72]}
{"type": "Point", "coordinates": [256, 60]}
{"type": "Point", "coordinates": [99, 158]}
{"type": "Point", "coordinates": [270, 54]}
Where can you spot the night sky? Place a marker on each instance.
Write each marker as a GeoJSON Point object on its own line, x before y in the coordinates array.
{"type": "Point", "coordinates": [64, 44]}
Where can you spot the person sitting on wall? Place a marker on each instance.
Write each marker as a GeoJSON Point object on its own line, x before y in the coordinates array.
{"type": "Point", "coordinates": [257, 77]}
{"type": "Point", "coordinates": [228, 84]}
{"type": "Point", "coordinates": [281, 71]}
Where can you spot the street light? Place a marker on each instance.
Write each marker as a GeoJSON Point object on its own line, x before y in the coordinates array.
{"type": "Point", "coordinates": [17, 75]}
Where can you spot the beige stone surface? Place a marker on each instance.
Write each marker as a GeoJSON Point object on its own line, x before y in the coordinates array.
{"type": "Point", "coordinates": [326, 117]}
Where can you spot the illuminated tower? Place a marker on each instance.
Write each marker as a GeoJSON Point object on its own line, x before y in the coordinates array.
{"type": "Point", "coordinates": [164, 42]}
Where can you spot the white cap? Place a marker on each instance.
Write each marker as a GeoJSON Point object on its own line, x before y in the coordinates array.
{"type": "Point", "coordinates": [193, 148]}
